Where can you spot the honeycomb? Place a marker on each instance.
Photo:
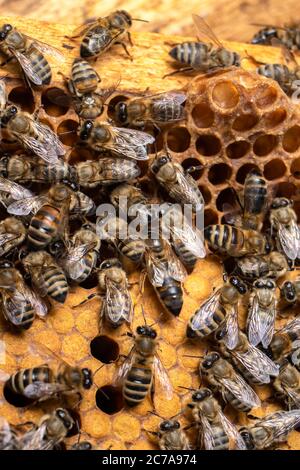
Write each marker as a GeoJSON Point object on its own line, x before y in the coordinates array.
{"type": "Point", "coordinates": [236, 120]}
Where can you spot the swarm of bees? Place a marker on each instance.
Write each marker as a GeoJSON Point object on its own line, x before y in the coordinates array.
{"type": "Point", "coordinates": [42, 255]}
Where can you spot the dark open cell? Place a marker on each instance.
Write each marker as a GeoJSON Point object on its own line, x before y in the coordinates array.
{"type": "Point", "coordinates": [112, 104]}
{"type": "Point", "coordinates": [264, 145]}
{"type": "Point", "coordinates": [210, 217]}
{"type": "Point", "coordinates": [77, 422]}
{"type": "Point", "coordinates": [188, 163]}
{"type": "Point", "coordinates": [285, 189]}
{"type": "Point", "coordinates": [202, 115]}
{"type": "Point", "coordinates": [23, 97]}
{"type": "Point", "coordinates": [229, 265]}
{"type": "Point", "coordinates": [90, 282]}
{"type": "Point", "coordinates": [243, 172]}
{"type": "Point", "coordinates": [55, 101]}
{"type": "Point", "coordinates": [274, 118]}
{"type": "Point", "coordinates": [295, 168]}
{"type": "Point", "coordinates": [208, 145]}
{"type": "Point", "coordinates": [238, 149]}
{"type": "Point", "coordinates": [205, 193]}
{"type": "Point", "coordinates": [105, 349]}
{"type": "Point", "coordinates": [178, 139]}
{"type": "Point", "coordinates": [245, 122]}
{"type": "Point", "coordinates": [219, 173]}
{"type": "Point", "coordinates": [291, 139]}
{"type": "Point", "coordinates": [109, 399]}
{"type": "Point", "coordinates": [79, 155]}
{"type": "Point", "coordinates": [226, 197]}
{"type": "Point", "coordinates": [274, 169]}
{"type": "Point", "coordinates": [67, 132]}
{"type": "Point", "coordinates": [19, 401]}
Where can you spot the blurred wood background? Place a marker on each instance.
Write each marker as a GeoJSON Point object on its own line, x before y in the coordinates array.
{"type": "Point", "coordinates": [230, 19]}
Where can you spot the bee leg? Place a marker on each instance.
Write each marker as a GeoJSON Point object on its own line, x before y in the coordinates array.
{"type": "Point", "coordinates": [6, 61]}
{"type": "Point", "coordinates": [125, 49]}
{"type": "Point", "coordinates": [184, 69]}
{"type": "Point", "coordinates": [129, 38]}
{"type": "Point", "coordinates": [89, 297]}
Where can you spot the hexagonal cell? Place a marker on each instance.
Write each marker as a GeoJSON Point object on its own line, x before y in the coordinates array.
{"type": "Point", "coordinates": [291, 139]}
{"type": "Point", "coordinates": [285, 189]}
{"type": "Point", "coordinates": [109, 399]}
{"type": "Point", "coordinates": [67, 132]}
{"type": "Point", "coordinates": [227, 197]}
{"type": "Point", "coordinates": [219, 173]}
{"type": "Point", "coordinates": [225, 95]}
{"type": "Point", "coordinates": [178, 139]}
{"type": "Point", "coordinates": [205, 193]}
{"type": "Point", "coordinates": [208, 145]}
{"type": "Point", "coordinates": [265, 144]}
{"type": "Point", "coordinates": [189, 163]}
{"type": "Point", "coordinates": [274, 118]}
{"type": "Point", "coordinates": [243, 172]}
{"type": "Point", "coordinates": [244, 122]}
{"type": "Point", "coordinates": [23, 97]}
{"type": "Point", "coordinates": [202, 115]}
{"type": "Point", "coordinates": [295, 168]}
{"type": "Point", "coordinates": [265, 95]}
{"type": "Point", "coordinates": [55, 101]}
{"type": "Point", "coordinates": [238, 149]}
{"type": "Point", "coordinates": [105, 349]}
{"type": "Point", "coordinates": [79, 155]}
{"type": "Point", "coordinates": [210, 217]}
{"type": "Point", "coordinates": [274, 169]}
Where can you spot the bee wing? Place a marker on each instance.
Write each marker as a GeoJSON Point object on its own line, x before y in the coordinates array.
{"type": "Point", "coordinates": [130, 143]}
{"type": "Point", "coordinates": [205, 312]}
{"type": "Point", "coordinates": [162, 377]}
{"type": "Point", "coordinates": [37, 439]}
{"type": "Point", "coordinates": [27, 205]}
{"type": "Point", "coordinates": [54, 145]}
{"type": "Point", "coordinates": [241, 390]}
{"type": "Point", "coordinates": [186, 185]}
{"type": "Point", "coordinates": [7, 237]}
{"type": "Point", "coordinates": [57, 96]}
{"type": "Point", "coordinates": [261, 323]}
{"type": "Point", "coordinates": [207, 436]}
{"type": "Point", "coordinates": [74, 261]}
{"type": "Point", "coordinates": [175, 268]}
{"type": "Point", "coordinates": [232, 432]}
{"type": "Point", "coordinates": [83, 28]}
{"type": "Point", "coordinates": [8, 441]}
{"type": "Point", "coordinates": [27, 67]}
{"type": "Point", "coordinates": [279, 424]}
{"type": "Point", "coordinates": [38, 390]}
{"type": "Point", "coordinates": [294, 397]}
{"type": "Point", "coordinates": [231, 327]}
{"type": "Point", "coordinates": [125, 367]}
{"type": "Point", "coordinates": [257, 363]}
{"type": "Point", "coordinates": [14, 302]}
{"type": "Point", "coordinates": [205, 30]}
{"type": "Point", "coordinates": [167, 99]}
{"type": "Point", "coordinates": [4, 376]}
{"type": "Point", "coordinates": [117, 297]}
{"type": "Point", "coordinates": [38, 304]}
{"type": "Point", "coordinates": [190, 236]}
{"type": "Point", "coordinates": [291, 327]}
{"type": "Point", "coordinates": [45, 48]}
{"type": "Point", "coordinates": [156, 270]}
{"type": "Point", "coordinates": [42, 149]}
{"type": "Point", "coordinates": [14, 189]}
{"type": "Point", "coordinates": [290, 239]}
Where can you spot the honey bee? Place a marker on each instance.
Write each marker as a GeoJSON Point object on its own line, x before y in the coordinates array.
{"type": "Point", "coordinates": [166, 273]}
{"type": "Point", "coordinates": [138, 371]}
{"type": "Point", "coordinates": [286, 343]}
{"type": "Point", "coordinates": [234, 389]}
{"type": "Point", "coordinates": [290, 293]}
{"type": "Point", "coordinates": [116, 232]}
{"type": "Point", "coordinates": [82, 253]}
{"type": "Point", "coordinates": [216, 432]}
{"type": "Point", "coordinates": [18, 303]}
{"type": "Point", "coordinates": [28, 53]}
{"type": "Point", "coordinates": [202, 56]}
{"type": "Point", "coordinates": [136, 203]}
{"type": "Point", "coordinates": [220, 308]}
{"type": "Point", "coordinates": [105, 171]}
{"type": "Point", "coordinates": [287, 36]}
{"type": "Point", "coordinates": [50, 432]}
{"type": "Point", "coordinates": [101, 34]}
{"type": "Point", "coordinates": [283, 220]}
{"type": "Point", "coordinates": [12, 234]}
{"type": "Point", "coordinates": [262, 312]}
{"type": "Point", "coordinates": [25, 169]}
{"type": "Point", "coordinates": [11, 192]}
{"type": "Point", "coordinates": [179, 184]}
{"type": "Point", "coordinates": [186, 240]}
{"type": "Point", "coordinates": [51, 215]}
{"type": "Point", "coordinates": [170, 436]}
{"type": "Point", "coordinates": [236, 242]}
{"type": "Point", "coordinates": [282, 75]}
{"type": "Point", "coordinates": [254, 365]}
{"type": "Point", "coordinates": [32, 135]}
{"type": "Point", "coordinates": [9, 438]}
{"type": "Point", "coordinates": [271, 430]}
{"type": "Point", "coordinates": [287, 386]}
{"type": "Point", "coordinates": [46, 276]}
{"type": "Point", "coordinates": [121, 142]}
{"type": "Point", "coordinates": [255, 200]}
{"type": "Point", "coordinates": [163, 108]}
{"type": "Point", "coordinates": [272, 265]}
{"type": "Point", "coordinates": [81, 205]}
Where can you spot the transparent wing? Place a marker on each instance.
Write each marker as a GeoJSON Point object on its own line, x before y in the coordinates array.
{"type": "Point", "coordinates": [27, 206]}
{"type": "Point", "coordinates": [14, 303]}
{"type": "Point", "coordinates": [186, 188]}
{"type": "Point", "coordinates": [162, 377]}
{"type": "Point", "coordinates": [117, 302]}
{"type": "Point", "coordinates": [156, 270]}
{"type": "Point", "coordinates": [291, 327]}
{"type": "Point", "coordinates": [190, 236]}
{"type": "Point", "coordinates": [207, 436]}
{"type": "Point", "coordinates": [83, 28]}
{"type": "Point", "coordinates": [231, 327]}
{"type": "Point", "coordinates": [125, 367]}
{"type": "Point", "coordinates": [74, 262]}
{"type": "Point", "coordinates": [257, 363]}
{"type": "Point", "coordinates": [39, 390]}
{"type": "Point", "coordinates": [41, 149]}
{"type": "Point", "coordinates": [130, 143]}
{"type": "Point", "coordinates": [14, 189]}
{"type": "Point", "coordinates": [266, 324]}
{"type": "Point", "coordinates": [279, 424]}
{"type": "Point", "coordinates": [176, 269]}
{"type": "Point", "coordinates": [45, 48]}
{"type": "Point", "coordinates": [38, 304]}
{"type": "Point", "coordinates": [168, 99]}
{"type": "Point", "coordinates": [232, 432]}
{"type": "Point", "coordinates": [27, 67]}
{"type": "Point", "coordinates": [38, 439]}
{"type": "Point", "coordinates": [7, 237]}
{"type": "Point", "coordinates": [289, 238]}
{"type": "Point", "coordinates": [241, 390]}
{"type": "Point", "coordinates": [205, 312]}
{"type": "Point", "coordinates": [204, 30]}
{"type": "Point", "coordinates": [54, 145]}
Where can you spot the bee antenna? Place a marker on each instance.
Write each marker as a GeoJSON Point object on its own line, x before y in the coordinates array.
{"type": "Point", "coordinates": [143, 313]}
{"type": "Point", "coordinates": [67, 132]}
{"type": "Point", "coordinates": [97, 370]}
{"type": "Point", "coordinates": [175, 416]}
{"type": "Point", "coordinates": [187, 388]}
{"type": "Point", "coordinates": [156, 321]}
{"type": "Point", "coordinates": [155, 414]}
{"type": "Point", "coordinates": [139, 19]}
{"type": "Point", "coordinates": [197, 357]}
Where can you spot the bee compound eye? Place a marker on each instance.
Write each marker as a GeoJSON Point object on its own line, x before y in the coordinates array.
{"type": "Point", "coordinates": [7, 27]}
{"type": "Point", "coordinates": [140, 330]}
{"type": "Point", "coordinates": [176, 425]}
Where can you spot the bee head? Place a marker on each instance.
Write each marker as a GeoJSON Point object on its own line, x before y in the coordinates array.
{"type": "Point", "coordinates": [66, 419]}
{"type": "Point", "coordinates": [86, 130]}
{"type": "Point", "coordinates": [288, 290]}
{"type": "Point", "coordinates": [5, 264]}
{"type": "Point", "coordinates": [247, 437]}
{"type": "Point", "coordinates": [10, 112]}
{"type": "Point", "coordinates": [210, 359]}
{"type": "Point", "coordinates": [121, 112]}
{"type": "Point", "coordinates": [280, 202]}
{"type": "Point", "coordinates": [264, 36]}
{"type": "Point", "coordinates": [87, 376]}
{"type": "Point", "coordinates": [159, 163]}
{"type": "Point", "coordinates": [200, 395]}
{"type": "Point", "coordinates": [121, 19]}
{"type": "Point", "coordinates": [146, 331]}
{"type": "Point", "coordinates": [3, 165]}
{"type": "Point", "coordinates": [4, 31]}
{"type": "Point", "coordinates": [238, 284]}
{"type": "Point", "coordinates": [169, 425]}
{"type": "Point", "coordinates": [110, 263]}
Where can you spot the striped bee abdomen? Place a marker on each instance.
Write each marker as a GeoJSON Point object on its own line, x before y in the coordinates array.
{"type": "Point", "coordinates": [235, 402]}
{"type": "Point", "coordinates": [24, 377]}
{"type": "Point", "coordinates": [171, 295]}
{"type": "Point", "coordinates": [39, 64]}
{"type": "Point", "coordinates": [137, 383]}
{"type": "Point", "coordinates": [221, 440]}
{"type": "Point", "coordinates": [43, 227]}
{"type": "Point", "coordinates": [24, 314]}
{"type": "Point", "coordinates": [55, 283]}
{"type": "Point", "coordinates": [194, 54]}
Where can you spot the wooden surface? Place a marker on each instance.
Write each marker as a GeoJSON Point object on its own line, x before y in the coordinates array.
{"type": "Point", "coordinates": [231, 19]}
